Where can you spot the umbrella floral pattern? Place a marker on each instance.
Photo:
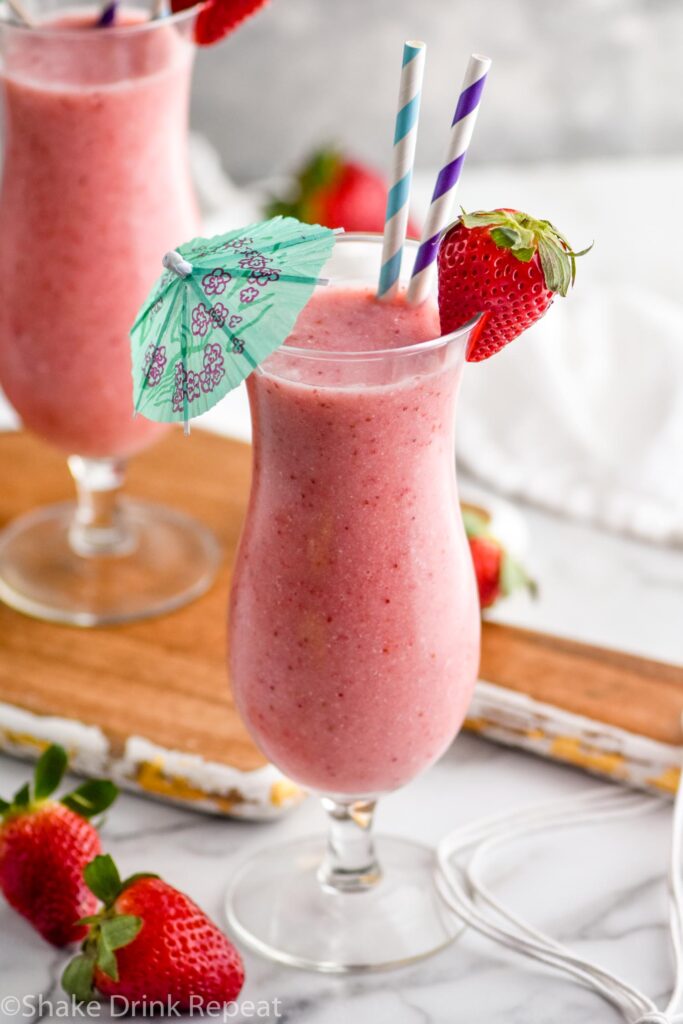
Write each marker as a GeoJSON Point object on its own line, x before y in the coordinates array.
{"type": "Point", "coordinates": [205, 327]}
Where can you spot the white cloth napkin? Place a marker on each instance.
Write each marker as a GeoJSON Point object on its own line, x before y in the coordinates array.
{"type": "Point", "coordinates": [584, 415]}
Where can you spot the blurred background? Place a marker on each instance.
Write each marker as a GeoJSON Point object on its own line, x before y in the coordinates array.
{"type": "Point", "coordinates": [571, 80]}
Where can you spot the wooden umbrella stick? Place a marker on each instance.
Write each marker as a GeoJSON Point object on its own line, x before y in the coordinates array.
{"type": "Point", "coordinates": [20, 12]}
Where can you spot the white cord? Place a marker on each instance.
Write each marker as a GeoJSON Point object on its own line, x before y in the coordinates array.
{"type": "Point", "coordinates": [463, 888]}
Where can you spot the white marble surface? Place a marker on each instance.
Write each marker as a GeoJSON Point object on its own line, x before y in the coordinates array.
{"type": "Point", "coordinates": [600, 889]}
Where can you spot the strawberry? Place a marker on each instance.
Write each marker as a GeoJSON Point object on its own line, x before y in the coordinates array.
{"type": "Point", "coordinates": [487, 556]}
{"type": "Point", "coordinates": [505, 265]}
{"type": "Point", "coordinates": [150, 943]}
{"type": "Point", "coordinates": [218, 18]}
{"type": "Point", "coordinates": [338, 193]}
{"type": "Point", "coordinates": [498, 574]}
{"type": "Point", "coordinates": [44, 846]}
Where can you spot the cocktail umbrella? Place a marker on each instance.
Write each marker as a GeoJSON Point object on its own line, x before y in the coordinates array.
{"type": "Point", "coordinates": [222, 305]}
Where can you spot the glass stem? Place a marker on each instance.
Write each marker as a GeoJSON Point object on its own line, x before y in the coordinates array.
{"type": "Point", "coordinates": [98, 526]}
{"type": "Point", "coordinates": [350, 863]}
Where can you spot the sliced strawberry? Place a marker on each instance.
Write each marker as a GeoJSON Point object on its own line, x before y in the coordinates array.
{"type": "Point", "coordinates": [505, 265]}
{"type": "Point", "coordinates": [218, 18]}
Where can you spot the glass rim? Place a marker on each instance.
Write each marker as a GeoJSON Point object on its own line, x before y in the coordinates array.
{"type": "Point", "coordinates": [431, 345]}
{"type": "Point", "coordinates": [115, 31]}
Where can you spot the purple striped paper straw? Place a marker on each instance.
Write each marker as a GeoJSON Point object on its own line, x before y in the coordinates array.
{"type": "Point", "coordinates": [439, 214]}
{"type": "Point", "coordinates": [108, 14]}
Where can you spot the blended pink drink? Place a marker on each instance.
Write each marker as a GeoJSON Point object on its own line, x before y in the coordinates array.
{"type": "Point", "coordinates": [95, 188]}
{"type": "Point", "coordinates": [354, 628]}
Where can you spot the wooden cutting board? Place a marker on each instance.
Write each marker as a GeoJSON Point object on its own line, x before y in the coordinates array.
{"type": "Point", "coordinates": [150, 702]}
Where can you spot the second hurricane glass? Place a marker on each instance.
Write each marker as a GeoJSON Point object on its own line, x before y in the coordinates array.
{"type": "Point", "coordinates": [354, 631]}
{"type": "Point", "coordinates": [95, 187]}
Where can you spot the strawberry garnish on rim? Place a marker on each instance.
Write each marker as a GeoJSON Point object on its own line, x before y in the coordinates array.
{"type": "Point", "coordinates": [507, 266]}
{"type": "Point", "coordinates": [218, 18]}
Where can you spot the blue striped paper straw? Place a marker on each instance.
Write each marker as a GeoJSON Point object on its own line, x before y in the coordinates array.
{"type": "Point", "coordinates": [403, 157]}
{"type": "Point", "coordinates": [439, 214]}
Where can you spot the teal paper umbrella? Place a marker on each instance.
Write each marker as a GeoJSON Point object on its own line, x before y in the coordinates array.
{"type": "Point", "coordinates": [219, 309]}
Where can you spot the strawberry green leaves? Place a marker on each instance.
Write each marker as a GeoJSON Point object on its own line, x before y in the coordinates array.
{"type": "Point", "coordinates": [19, 803]}
{"type": "Point", "coordinates": [49, 771]}
{"type": "Point", "coordinates": [108, 930]}
{"type": "Point", "coordinates": [514, 577]}
{"type": "Point", "coordinates": [47, 775]}
{"type": "Point", "coordinates": [90, 798]}
{"type": "Point", "coordinates": [22, 797]}
{"type": "Point", "coordinates": [521, 245]}
{"type": "Point", "coordinates": [119, 932]}
{"type": "Point", "coordinates": [506, 231]}
{"type": "Point", "coordinates": [524, 236]}
{"type": "Point", "coordinates": [77, 979]}
{"type": "Point", "coordinates": [559, 270]}
{"type": "Point", "coordinates": [115, 933]}
{"type": "Point", "coordinates": [107, 934]}
{"type": "Point", "coordinates": [103, 879]}
{"type": "Point", "coordinates": [475, 520]}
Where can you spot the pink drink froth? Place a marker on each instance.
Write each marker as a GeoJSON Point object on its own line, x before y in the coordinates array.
{"type": "Point", "coordinates": [354, 626]}
{"type": "Point", "coordinates": [95, 189]}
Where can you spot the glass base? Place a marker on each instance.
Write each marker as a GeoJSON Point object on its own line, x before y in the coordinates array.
{"type": "Point", "coordinates": [276, 905]}
{"type": "Point", "coordinates": [171, 560]}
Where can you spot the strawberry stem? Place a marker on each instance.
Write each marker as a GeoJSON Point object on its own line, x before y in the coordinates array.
{"type": "Point", "coordinates": [524, 237]}
{"type": "Point", "coordinates": [92, 797]}
{"type": "Point", "coordinates": [107, 930]}
{"type": "Point", "coordinates": [103, 879]}
{"type": "Point", "coordinates": [513, 577]}
{"type": "Point", "coordinates": [49, 771]}
{"type": "Point", "coordinates": [77, 979]}
{"type": "Point", "coordinates": [22, 797]}
{"type": "Point", "coordinates": [88, 799]}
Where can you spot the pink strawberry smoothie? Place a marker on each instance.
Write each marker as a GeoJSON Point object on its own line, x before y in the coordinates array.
{"type": "Point", "coordinates": [354, 625]}
{"type": "Point", "coordinates": [95, 188]}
